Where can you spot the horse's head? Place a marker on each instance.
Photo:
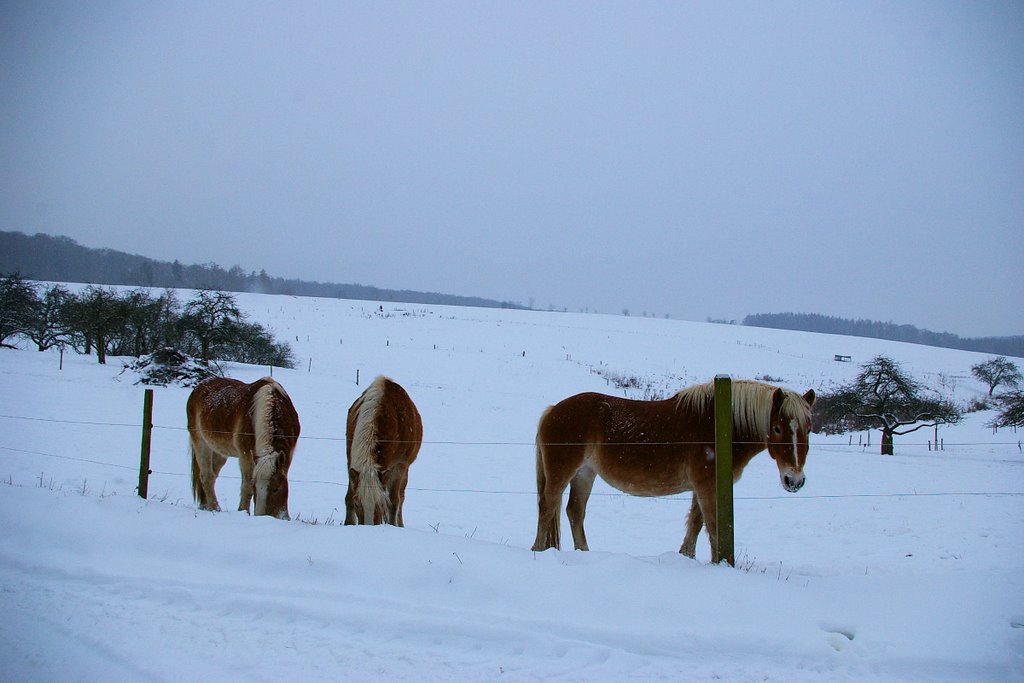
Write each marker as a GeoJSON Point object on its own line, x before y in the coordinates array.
{"type": "Point", "coordinates": [788, 430]}
{"type": "Point", "coordinates": [270, 487]}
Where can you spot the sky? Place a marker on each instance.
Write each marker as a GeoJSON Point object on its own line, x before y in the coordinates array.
{"type": "Point", "coordinates": [690, 159]}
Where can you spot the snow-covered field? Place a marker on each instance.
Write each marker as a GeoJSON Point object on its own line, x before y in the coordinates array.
{"type": "Point", "coordinates": [907, 568]}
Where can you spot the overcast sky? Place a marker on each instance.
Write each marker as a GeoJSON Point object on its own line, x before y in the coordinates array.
{"type": "Point", "coordinates": [708, 159]}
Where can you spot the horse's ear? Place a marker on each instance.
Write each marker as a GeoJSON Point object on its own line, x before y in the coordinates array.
{"type": "Point", "coordinates": [778, 396]}
{"type": "Point", "coordinates": [809, 397]}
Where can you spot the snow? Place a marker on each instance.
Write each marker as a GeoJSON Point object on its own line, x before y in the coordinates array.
{"type": "Point", "coordinates": [902, 568]}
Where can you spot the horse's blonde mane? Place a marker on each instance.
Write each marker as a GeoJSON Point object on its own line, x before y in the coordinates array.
{"type": "Point", "coordinates": [751, 405]}
{"type": "Point", "coordinates": [262, 414]}
{"type": "Point", "coordinates": [364, 446]}
{"type": "Point", "coordinates": [265, 467]}
{"type": "Point", "coordinates": [365, 436]}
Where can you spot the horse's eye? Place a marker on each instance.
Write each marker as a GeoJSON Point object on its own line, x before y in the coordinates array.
{"type": "Point", "coordinates": [777, 429]}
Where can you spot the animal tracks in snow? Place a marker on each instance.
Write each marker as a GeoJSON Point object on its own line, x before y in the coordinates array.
{"type": "Point", "coordinates": [839, 637]}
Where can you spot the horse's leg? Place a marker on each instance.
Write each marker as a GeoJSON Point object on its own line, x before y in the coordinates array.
{"type": "Point", "coordinates": [198, 455]}
{"type": "Point", "coordinates": [556, 466]}
{"type": "Point", "coordinates": [352, 504]}
{"type": "Point", "coordinates": [246, 465]}
{"type": "Point", "coordinates": [210, 464]}
{"type": "Point", "coordinates": [579, 493]}
{"type": "Point", "coordinates": [694, 523]}
{"type": "Point", "coordinates": [549, 507]}
{"type": "Point", "coordinates": [400, 497]}
{"type": "Point", "coordinates": [394, 484]}
{"type": "Point", "coordinates": [707, 498]}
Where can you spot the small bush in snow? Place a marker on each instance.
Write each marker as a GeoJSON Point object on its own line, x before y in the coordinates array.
{"type": "Point", "coordinates": [170, 366]}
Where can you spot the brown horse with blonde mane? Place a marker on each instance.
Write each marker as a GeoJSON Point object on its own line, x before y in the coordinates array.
{"type": "Point", "coordinates": [660, 448]}
{"type": "Point", "coordinates": [256, 423]}
{"type": "Point", "coordinates": [383, 436]}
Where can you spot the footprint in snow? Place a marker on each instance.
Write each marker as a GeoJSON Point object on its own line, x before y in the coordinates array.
{"type": "Point", "coordinates": [839, 637]}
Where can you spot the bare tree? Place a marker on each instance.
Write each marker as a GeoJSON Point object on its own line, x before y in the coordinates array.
{"type": "Point", "coordinates": [251, 343]}
{"type": "Point", "coordinates": [997, 371]}
{"type": "Point", "coordinates": [49, 321]}
{"type": "Point", "coordinates": [17, 301]}
{"type": "Point", "coordinates": [1011, 409]}
{"type": "Point", "coordinates": [208, 319]}
{"type": "Point", "coordinates": [882, 396]}
{"type": "Point", "coordinates": [100, 315]}
{"type": "Point", "coordinates": [144, 323]}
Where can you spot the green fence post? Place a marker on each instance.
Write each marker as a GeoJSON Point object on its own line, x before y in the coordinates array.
{"type": "Point", "coordinates": [147, 431]}
{"type": "Point", "coordinates": [725, 543]}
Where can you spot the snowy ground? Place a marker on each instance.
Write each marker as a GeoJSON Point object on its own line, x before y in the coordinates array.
{"type": "Point", "coordinates": [907, 568]}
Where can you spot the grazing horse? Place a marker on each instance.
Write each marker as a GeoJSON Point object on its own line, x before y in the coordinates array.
{"type": "Point", "coordinates": [383, 437]}
{"type": "Point", "coordinates": [660, 448]}
{"type": "Point", "coordinates": [256, 423]}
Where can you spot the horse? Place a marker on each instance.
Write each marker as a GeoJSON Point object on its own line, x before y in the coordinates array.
{"type": "Point", "coordinates": [661, 448]}
{"type": "Point", "coordinates": [383, 436]}
{"type": "Point", "coordinates": [256, 423]}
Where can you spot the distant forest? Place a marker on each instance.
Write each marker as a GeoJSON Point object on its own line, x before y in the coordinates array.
{"type": "Point", "coordinates": [62, 259]}
{"type": "Point", "coordinates": [812, 322]}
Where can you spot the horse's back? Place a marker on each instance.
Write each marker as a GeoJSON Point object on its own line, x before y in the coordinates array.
{"type": "Point", "coordinates": [407, 417]}
{"type": "Point", "coordinates": [285, 416]}
{"type": "Point", "coordinates": [220, 408]}
{"type": "Point", "coordinates": [396, 423]}
{"type": "Point", "coordinates": [595, 417]}
{"type": "Point", "coordinates": [402, 420]}
{"type": "Point", "coordinates": [216, 395]}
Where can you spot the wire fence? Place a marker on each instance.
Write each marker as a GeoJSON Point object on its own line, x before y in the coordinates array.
{"type": "Point", "coordinates": [827, 447]}
{"type": "Point", "coordinates": [1017, 443]}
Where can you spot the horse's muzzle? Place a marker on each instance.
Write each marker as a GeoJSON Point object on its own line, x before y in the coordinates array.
{"type": "Point", "coordinates": [793, 482]}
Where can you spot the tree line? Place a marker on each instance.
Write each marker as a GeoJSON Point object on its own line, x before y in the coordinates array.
{"type": "Point", "coordinates": [62, 259]}
{"type": "Point", "coordinates": [103, 321]}
{"type": "Point", "coordinates": [813, 322]}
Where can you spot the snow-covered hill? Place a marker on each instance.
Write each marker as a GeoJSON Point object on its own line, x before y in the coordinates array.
{"type": "Point", "coordinates": [908, 567]}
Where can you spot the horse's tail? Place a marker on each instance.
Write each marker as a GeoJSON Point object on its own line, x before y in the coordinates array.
{"type": "Point", "coordinates": [363, 457]}
{"type": "Point", "coordinates": [548, 530]}
{"type": "Point", "coordinates": [197, 484]}
{"type": "Point", "coordinates": [541, 477]}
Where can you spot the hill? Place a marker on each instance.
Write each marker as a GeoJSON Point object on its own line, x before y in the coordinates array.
{"type": "Point", "coordinates": [62, 259]}
{"type": "Point", "coordinates": [813, 322]}
{"type": "Point", "coordinates": [903, 568]}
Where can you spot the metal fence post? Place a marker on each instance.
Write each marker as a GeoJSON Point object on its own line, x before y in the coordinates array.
{"type": "Point", "coordinates": [725, 542]}
{"type": "Point", "coordinates": [147, 432]}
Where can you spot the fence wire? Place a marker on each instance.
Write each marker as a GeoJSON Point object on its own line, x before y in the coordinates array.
{"type": "Point", "coordinates": [827, 447]}
{"type": "Point", "coordinates": [609, 494]}
{"type": "Point", "coordinates": [450, 442]}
